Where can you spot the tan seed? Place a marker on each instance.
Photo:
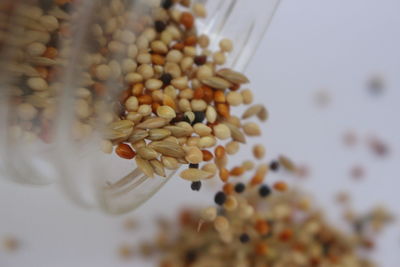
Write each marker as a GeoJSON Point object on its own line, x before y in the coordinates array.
{"type": "Point", "coordinates": [193, 155]}
{"type": "Point", "coordinates": [217, 83]}
{"type": "Point", "coordinates": [263, 114]}
{"type": "Point", "coordinates": [192, 174]}
{"type": "Point", "coordinates": [201, 129]}
{"type": "Point", "coordinates": [230, 203]}
{"type": "Point", "coordinates": [252, 129]}
{"type": "Point", "coordinates": [158, 134]}
{"type": "Point", "coordinates": [221, 224]}
{"type": "Point", "coordinates": [287, 163]}
{"type": "Point", "coordinates": [251, 111]}
{"type": "Point", "coordinates": [168, 149]}
{"type": "Point", "coordinates": [211, 114]}
{"type": "Point", "coordinates": [144, 166]}
{"type": "Point", "coordinates": [153, 84]}
{"type": "Point", "coordinates": [138, 135]}
{"type": "Point", "coordinates": [118, 130]}
{"type": "Point", "coordinates": [248, 165]}
{"type": "Point", "coordinates": [209, 214]}
{"type": "Point", "coordinates": [259, 151]}
{"type": "Point", "coordinates": [247, 96]}
{"type": "Point", "coordinates": [222, 131]}
{"type": "Point", "coordinates": [170, 163]}
{"type": "Point", "coordinates": [147, 153]}
{"type": "Point", "coordinates": [237, 135]}
{"type": "Point", "coordinates": [207, 142]}
{"type": "Point", "coordinates": [234, 98]}
{"type": "Point", "coordinates": [106, 146]}
{"type": "Point", "coordinates": [158, 167]}
{"type": "Point", "coordinates": [153, 123]}
{"type": "Point", "coordinates": [178, 131]}
{"type": "Point", "coordinates": [211, 168]}
{"type": "Point", "coordinates": [166, 112]}
{"type": "Point", "coordinates": [233, 76]}
{"type": "Point", "coordinates": [232, 147]}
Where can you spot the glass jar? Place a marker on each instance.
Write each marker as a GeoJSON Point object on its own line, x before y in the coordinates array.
{"type": "Point", "coordinates": [67, 70]}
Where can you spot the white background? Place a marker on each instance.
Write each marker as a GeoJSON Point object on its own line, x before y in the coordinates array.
{"type": "Point", "coordinates": [312, 45]}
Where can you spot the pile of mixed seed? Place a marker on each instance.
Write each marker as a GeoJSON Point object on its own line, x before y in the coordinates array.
{"type": "Point", "coordinates": [278, 230]}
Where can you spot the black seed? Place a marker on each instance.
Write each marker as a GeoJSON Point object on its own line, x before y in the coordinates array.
{"type": "Point", "coordinates": [239, 188]}
{"type": "Point", "coordinates": [160, 26]}
{"type": "Point", "coordinates": [200, 60]}
{"type": "Point", "coordinates": [264, 190]}
{"type": "Point", "coordinates": [196, 186]}
{"type": "Point", "coordinates": [67, 7]}
{"type": "Point", "coordinates": [194, 166]}
{"type": "Point", "coordinates": [166, 78]}
{"type": "Point", "coordinates": [274, 165]}
{"type": "Point", "coordinates": [191, 256]}
{"type": "Point", "coordinates": [199, 116]}
{"type": "Point", "coordinates": [179, 117]}
{"type": "Point", "coordinates": [167, 4]}
{"type": "Point", "coordinates": [244, 238]}
{"type": "Point", "coordinates": [220, 198]}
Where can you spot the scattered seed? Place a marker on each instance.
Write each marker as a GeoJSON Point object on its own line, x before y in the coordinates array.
{"type": "Point", "coordinates": [217, 83]}
{"type": "Point", "coordinates": [167, 148]}
{"type": "Point", "coordinates": [145, 166]}
{"type": "Point", "coordinates": [194, 174]}
{"type": "Point", "coordinates": [252, 129]}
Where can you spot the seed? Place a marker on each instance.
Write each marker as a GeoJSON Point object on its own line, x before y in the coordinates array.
{"type": "Point", "coordinates": [251, 111]}
{"type": "Point", "coordinates": [152, 123]}
{"type": "Point", "coordinates": [221, 162]}
{"type": "Point", "coordinates": [281, 186]}
{"type": "Point", "coordinates": [170, 163]}
{"type": "Point", "coordinates": [259, 151]}
{"type": "Point", "coordinates": [37, 84]}
{"type": "Point", "coordinates": [230, 203]}
{"type": "Point", "coordinates": [234, 98]}
{"type": "Point", "coordinates": [200, 60]}
{"type": "Point", "coordinates": [26, 111]}
{"type": "Point", "coordinates": [118, 130]}
{"type": "Point", "coordinates": [125, 151]}
{"type": "Point", "coordinates": [220, 198]}
{"type": "Point", "coordinates": [168, 149]}
{"type": "Point", "coordinates": [203, 41]}
{"type": "Point", "coordinates": [211, 114]}
{"type": "Point", "coordinates": [137, 135]}
{"type": "Point", "coordinates": [237, 171]}
{"type": "Point", "coordinates": [158, 167]}
{"type": "Point", "coordinates": [287, 163]}
{"type": "Point", "coordinates": [103, 72]}
{"type": "Point", "coordinates": [198, 105]}
{"type": "Point", "coordinates": [248, 165]}
{"type": "Point", "coordinates": [264, 191]}
{"type": "Point", "coordinates": [174, 56]}
{"type": "Point", "coordinates": [145, 166]}
{"type": "Point", "coordinates": [209, 214]}
{"type": "Point", "coordinates": [251, 129]}
{"type": "Point", "coordinates": [194, 155]}
{"type": "Point", "coordinates": [262, 227]}
{"type": "Point", "coordinates": [179, 131]}
{"type": "Point", "coordinates": [147, 153]}
{"type": "Point", "coordinates": [187, 20]}
{"type": "Point", "coordinates": [36, 49]}
{"type": "Point", "coordinates": [226, 45]}
{"type": "Point", "coordinates": [219, 97]}
{"type": "Point", "coordinates": [237, 135]}
{"type": "Point", "coordinates": [221, 224]}
{"type": "Point", "coordinates": [223, 110]}
{"type": "Point", "coordinates": [204, 72]}
{"type": "Point", "coordinates": [207, 156]}
{"type": "Point", "coordinates": [211, 168]}
{"type": "Point", "coordinates": [232, 147]}
{"type": "Point", "coordinates": [228, 189]}
{"type": "Point", "coordinates": [166, 112]}
{"type": "Point", "coordinates": [158, 134]}
{"type": "Point", "coordinates": [42, 61]}
{"type": "Point", "coordinates": [233, 76]}
{"type": "Point", "coordinates": [153, 84]}
{"type": "Point", "coordinates": [194, 166]}
{"type": "Point", "coordinates": [132, 104]}
{"type": "Point", "coordinates": [106, 146]}
{"type": "Point", "coordinates": [244, 238]}
{"type": "Point", "coordinates": [274, 165]}
{"type": "Point", "coordinates": [196, 186]}
{"type": "Point", "coordinates": [239, 188]}
{"type": "Point", "coordinates": [194, 175]}
{"type": "Point", "coordinates": [263, 114]}
{"type": "Point", "coordinates": [199, 116]}
{"type": "Point", "coordinates": [201, 129]}
{"type": "Point", "coordinates": [217, 83]}
{"type": "Point", "coordinates": [219, 152]}
{"type": "Point", "coordinates": [199, 10]}
{"type": "Point", "coordinates": [247, 96]}
{"type": "Point", "coordinates": [207, 142]}
{"type": "Point", "coordinates": [222, 132]}
{"type": "Point", "coordinates": [223, 174]}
